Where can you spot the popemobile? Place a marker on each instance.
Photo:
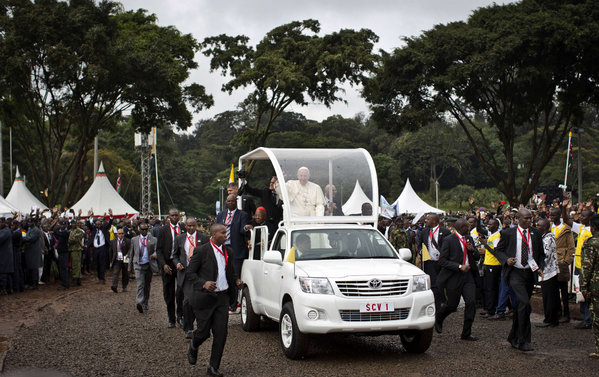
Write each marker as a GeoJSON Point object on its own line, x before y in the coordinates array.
{"type": "Point", "coordinates": [330, 271]}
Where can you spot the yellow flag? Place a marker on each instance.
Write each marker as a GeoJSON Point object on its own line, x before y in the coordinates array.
{"type": "Point", "coordinates": [231, 176]}
{"type": "Point", "coordinates": [425, 255]}
{"type": "Point", "coordinates": [291, 256]}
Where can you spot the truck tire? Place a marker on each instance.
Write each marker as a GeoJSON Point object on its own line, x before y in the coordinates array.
{"type": "Point", "coordinates": [250, 321]}
{"type": "Point", "coordinates": [416, 341]}
{"type": "Point", "coordinates": [293, 342]}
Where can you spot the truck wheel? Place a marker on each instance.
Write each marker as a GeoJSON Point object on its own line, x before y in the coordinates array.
{"type": "Point", "coordinates": [294, 343]}
{"type": "Point", "coordinates": [250, 321]}
{"type": "Point", "coordinates": [416, 341]}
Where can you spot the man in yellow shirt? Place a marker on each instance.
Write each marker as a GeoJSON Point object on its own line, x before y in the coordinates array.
{"type": "Point", "coordinates": [492, 269]}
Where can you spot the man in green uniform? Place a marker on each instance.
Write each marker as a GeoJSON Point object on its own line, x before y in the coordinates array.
{"type": "Point", "coordinates": [76, 242]}
{"type": "Point", "coordinates": [589, 279]}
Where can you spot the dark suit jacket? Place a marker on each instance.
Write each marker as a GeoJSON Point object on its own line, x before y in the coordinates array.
{"type": "Point", "coordinates": [268, 199]}
{"type": "Point", "coordinates": [203, 267]}
{"type": "Point", "coordinates": [424, 234]}
{"type": "Point", "coordinates": [114, 249]}
{"type": "Point", "coordinates": [506, 248]}
{"type": "Point", "coordinates": [180, 255]}
{"type": "Point", "coordinates": [105, 230]}
{"type": "Point", "coordinates": [452, 255]}
{"type": "Point", "coordinates": [165, 245]}
{"type": "Point", "coordinates": [238, 232]}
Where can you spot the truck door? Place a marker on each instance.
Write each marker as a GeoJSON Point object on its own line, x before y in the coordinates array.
{"type": "Point", "coordinates": [271, 283]}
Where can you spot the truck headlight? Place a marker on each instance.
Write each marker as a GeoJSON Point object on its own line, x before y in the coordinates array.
{"type": "Point", "coordinates": [421, 283]}
{"type": "Point", "coordinates": [316, 285]}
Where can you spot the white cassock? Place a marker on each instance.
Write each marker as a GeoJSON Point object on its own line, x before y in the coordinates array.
{"type": "Point", "coordinates": [305, 200]}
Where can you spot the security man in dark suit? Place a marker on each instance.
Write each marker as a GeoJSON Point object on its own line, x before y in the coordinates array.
{"type": "Point", "coordinates": [213, 282]}
{"type": "Point", "coordinates": [165, 248]}
{"type": "Point", "coordinates": [520, 251]}
{"type": "Point", "coordinates": [433, 237]}
{"type": "Point", "coordinates": [119, 259]}
{"type": "Point", "coordinates": [186, 244]}
{"type": "Point", "coordinates": [98, 240]}
{"type": "Point", "coordinates": [458, 277]}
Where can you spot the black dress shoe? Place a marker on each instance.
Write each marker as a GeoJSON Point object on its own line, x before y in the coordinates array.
{"type": "Point", "coordinates": [543, 324]}
{"type": "Point", "coordinates": [497, 316]}
{"type": "Point", "coordinates": [140, 308]}
{"type": "Point", "coordinates": [188, 334]}
{"type": "Point", "coordinates": [211, 371]}
{"type": "Point", "coordinates": [470, 338]}
{"type": "Point", "coordinates": [171, 325]}
{"type": "Point", "coordinates": [525, 347]}
{"type": "Point", "coordinates": [180, 322]}
{"type": "Point", "coordinates": [192, 354]}
{"type": "Point", "coordinates": [582, 326]}
{"type": "Point", "coordinates": [113, 288]}
{"type": "Point", "coordinates": [438, 327]}
{"type": "Point", "coordinates": [513, 343]}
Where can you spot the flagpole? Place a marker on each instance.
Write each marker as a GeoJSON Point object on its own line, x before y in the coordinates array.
{"type": "Point", "coordinates": [156, 168]}
{"type": "Point", "coordinates": [567, 159]}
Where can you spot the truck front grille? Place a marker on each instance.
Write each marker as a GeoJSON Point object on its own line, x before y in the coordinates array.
{"type": "Point", "coordinates": [361, 288]}
{"type": "Point", "coordinates": [356, 316]}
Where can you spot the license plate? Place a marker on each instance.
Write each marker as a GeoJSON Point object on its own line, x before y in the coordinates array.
{"type": "Point", "coordinates": [376, 307]}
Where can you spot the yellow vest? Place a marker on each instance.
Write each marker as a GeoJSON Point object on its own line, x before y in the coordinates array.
{"type": "Point", "coordinates": [583, 235]}
{"type": "Point", "coordinates": [490, 259]}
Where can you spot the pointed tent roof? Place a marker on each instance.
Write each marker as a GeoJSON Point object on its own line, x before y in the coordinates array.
{"type": "Point", "coordinates": [6, 209]}
{"type": "Point", "coordinates": [353, 205]}
{"type": "Point", "coordinates": [101, 196]}
{"type": "Point", "coordinates": [409, 202]}
{"type": "Point", "coordinates": [21, 198]}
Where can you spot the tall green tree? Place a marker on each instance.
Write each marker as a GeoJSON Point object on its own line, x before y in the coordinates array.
{"type": "Point", "coordinates": [524, 68]}
{"type": "Point", "coordinates": [72, 68]}
{"type": "Point", "coordinates": [292, 64]}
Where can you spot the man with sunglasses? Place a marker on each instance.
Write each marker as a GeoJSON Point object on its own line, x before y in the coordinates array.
{"type": "Point", "coordinates": [119, 259]}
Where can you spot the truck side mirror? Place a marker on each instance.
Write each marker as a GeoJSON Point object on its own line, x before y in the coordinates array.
{"type": "Point", "coordinates": [405, 254]}
{"type": "Point", "coordinates": [273, 256]}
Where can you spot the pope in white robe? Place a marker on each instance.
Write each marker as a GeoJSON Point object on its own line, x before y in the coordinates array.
{"type": "Point", "coordinates": [305, 197]}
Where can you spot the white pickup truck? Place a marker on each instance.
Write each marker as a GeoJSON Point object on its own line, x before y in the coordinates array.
{"type": "Point", "coordinates": [333, 274]}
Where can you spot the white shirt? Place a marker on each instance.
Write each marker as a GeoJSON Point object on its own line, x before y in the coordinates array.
{"type": "Point", "coordinates": [519, 247]}
{"type": "Point", "coordinates": [432, 250]}
{"type": "Point", "coordinates": [221, 279]}
{"type": "Point", "coordinates": [462, 241]}
{"type": "Point", "coordinates": [99, 238]}
{"type": "Point", "coordinates": [188, 246]}
{"type": "Point", "coordinates": [578, 227]}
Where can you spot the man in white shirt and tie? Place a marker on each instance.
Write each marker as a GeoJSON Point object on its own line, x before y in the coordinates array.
{"type": "Point", "coordinates": [99, 242]}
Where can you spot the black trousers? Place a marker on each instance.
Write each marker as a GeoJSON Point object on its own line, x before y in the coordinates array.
{"type": "Point", "coordinates": [215, 319]}
{"type": "Point", "coordinates": [18, 280]}
{"type": "Point", "coordinates": [63, 269]}
{"type": "Point", "coordinates": [46, 271]}
{"type": "Point", "coordinates": [100, 259]}
{"type": "Point", "coordinates": [521, 282]}
{"type": "Point", "coordinates": [462, 285]}
{"type": "Point", "coordinates": [432, 268]}
{"type": "Point", "coordinates": [551, 301]}
{"type": "Point", "coordinates": [172, 294]}
{"type": "Point", "coordinates": [565, 303]}
{"type": "Point", "coordinates": [491, 282]}
{"type": "Point", "coordinates": [188, 315]}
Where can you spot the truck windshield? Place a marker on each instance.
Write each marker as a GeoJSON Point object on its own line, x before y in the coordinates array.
{"type": "Point", "coordinates": [341, 244]}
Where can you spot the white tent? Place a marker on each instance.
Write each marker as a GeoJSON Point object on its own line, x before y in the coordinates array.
{"type": "Point", "coordinates": [6, 209]}
{"type": "Point", "coordinates": [101, 196]}
{"type": "Point", "coordinates": [409, 202]}
{"type": "Point", "coordinates": [353, 205]}
{"type": "Point", "coordinates": [21, 198]}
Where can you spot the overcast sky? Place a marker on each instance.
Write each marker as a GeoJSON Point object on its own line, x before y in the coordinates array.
{"type": "Point", "coordinates": [389, 19]}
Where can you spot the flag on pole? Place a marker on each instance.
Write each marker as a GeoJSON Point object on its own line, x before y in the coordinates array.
{"type": "Point", "coordinates": [387, 210]}
{"type": "Point", "coordinates": [118, 182]}
{"type": "Point", "coordinates": [571, 158]}
{"type": "Point", "coordinates": [232, 175]}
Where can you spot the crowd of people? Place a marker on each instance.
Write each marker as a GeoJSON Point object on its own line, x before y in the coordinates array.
{"type": "Point", "coordinates": [493, 258]}
{"type": "Point", "coordinates": [490, 257]}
